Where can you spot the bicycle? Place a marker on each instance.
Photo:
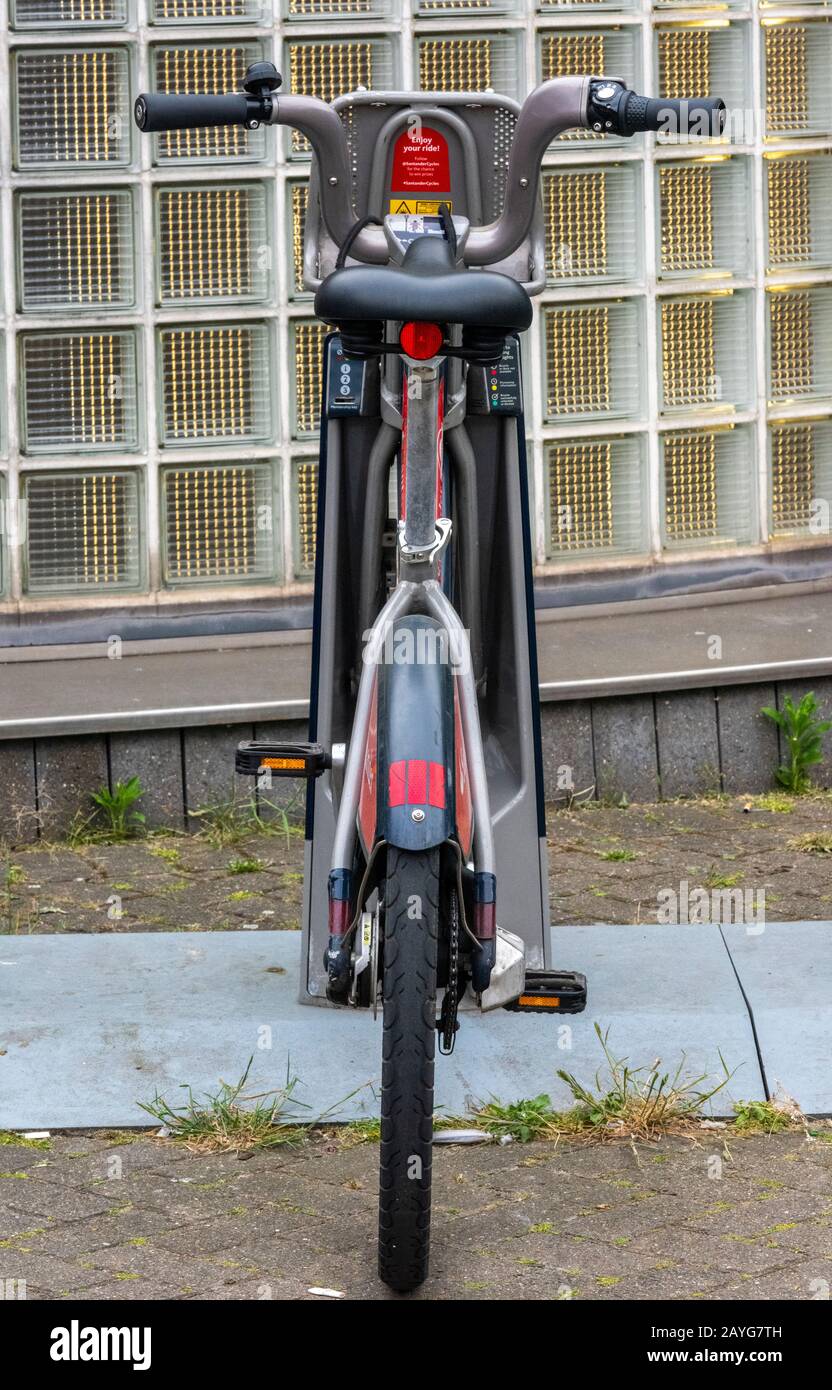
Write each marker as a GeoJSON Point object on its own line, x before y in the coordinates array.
{"type": "Point", "coordinates": [424, 244]}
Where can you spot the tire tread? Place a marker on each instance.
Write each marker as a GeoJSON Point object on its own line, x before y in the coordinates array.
{"type": "Point", "coordinates": [408, 1050]}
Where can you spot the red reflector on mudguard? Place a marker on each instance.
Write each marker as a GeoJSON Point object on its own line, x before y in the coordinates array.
{"type": "Point", "coordinates": [417, 782]}
{"type": "Point", "coordinates": [421, 340]}
{"type": "Point", "coordinates": [395, 791]}
{"type": "Point", "coordinates": [436, 793]}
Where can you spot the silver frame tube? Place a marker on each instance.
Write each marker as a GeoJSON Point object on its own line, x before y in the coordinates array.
{"type": "Point", "coordinates": [398, 603]}
{"type": "Point", "coordinates": [422, 382]}
{"type": "Point", "coordinates": [380, 461]}
{"type": "Point", "coordinates": [403, 600]}
{"type": "Point", "coordinates": [444, 611]}
{"type": "Point", "coordinates": [461, 450]}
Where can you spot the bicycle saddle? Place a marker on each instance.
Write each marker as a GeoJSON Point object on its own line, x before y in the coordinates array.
{"type": "Point", "coordinates": [427, 287]}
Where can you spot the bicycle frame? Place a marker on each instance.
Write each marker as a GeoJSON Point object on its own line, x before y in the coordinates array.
{"type": "Point", "coordinates": [419, 494]}
{"type": "Point", "coordinates": [423, 534]}
{"type": "Point", "coordinates": [508, 838]}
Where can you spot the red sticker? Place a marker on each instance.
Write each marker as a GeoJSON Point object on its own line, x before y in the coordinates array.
{"type": "Point", "coordinates": [420, 162]}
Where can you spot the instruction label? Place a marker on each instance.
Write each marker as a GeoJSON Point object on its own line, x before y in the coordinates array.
{"type": "Point", "coordinates": [419, 207]}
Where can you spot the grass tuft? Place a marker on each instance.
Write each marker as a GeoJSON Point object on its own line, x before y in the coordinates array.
{"type": "Point", "coordinates": [762, 1117]}
{"type": "Point", "coordinates": [19, 1141]}
{"type": "Point", "coordinates": [229, 822]}
{"type": "Point", "coordinates": [716, 879]}
{"type": "Point", "coordinates": [230, 1121]}
{"type": "Point", "coordinates": [775, 802]}
{"type": "Point", "coordinates": [170, 856]}
{"type": "Point", "coordinates": [635, 1103]}
{"type": "Point", "coordinates": [523, 1120]}
{"type": "Point", "coordinates": [360, 1132]}
{"type": "Point", "coordinates": [815, 842]}
{"type": "Point", "coordinates": [246, 866]}
{"type": "Point", "coordinates": [642, 1102]}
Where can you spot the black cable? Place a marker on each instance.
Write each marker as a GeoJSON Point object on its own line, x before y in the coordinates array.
{"type": "Point", "coordinates": [369, 221]}
{"type": "Point", "coordinates": [448, 227]}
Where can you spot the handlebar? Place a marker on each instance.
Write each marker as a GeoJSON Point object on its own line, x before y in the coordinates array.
{"type": "Point", "coordinates": [698, 116]}
{"type": "Point", "coordinates": [159, 111]}
{"type": "Point", "coordinates": [612, 107]}
{"type": "Point", "coordinates": [251, 107]}
{"type": "Point", "coordinates": [600, 104]}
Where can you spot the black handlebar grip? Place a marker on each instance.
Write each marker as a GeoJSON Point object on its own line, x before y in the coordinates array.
{"type": "Point", "coordinates": [190, 111]}
{"type": "Point", "coordinates": [684, 116]}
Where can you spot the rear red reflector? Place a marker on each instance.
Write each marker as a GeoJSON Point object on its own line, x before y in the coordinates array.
{"type": "Point", "coordinates": [396, 785]}
{"type": "Point", "coordinates": [436, 795]}
{"type": "Point", "coordinates": [421, 340]}
{"type": "Point", "coordinates": [417, 782]}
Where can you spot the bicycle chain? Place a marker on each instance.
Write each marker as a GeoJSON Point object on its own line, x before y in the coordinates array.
{"type": "Point", "coordinates": [448, 1024]}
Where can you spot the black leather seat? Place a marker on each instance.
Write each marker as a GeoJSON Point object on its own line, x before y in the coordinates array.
{"type": "Point", "coordinates": [426, 287]}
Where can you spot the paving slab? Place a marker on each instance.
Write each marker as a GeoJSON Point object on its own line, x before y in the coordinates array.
{"type": "Point", "coordinates": [90, 1025]}
{"type": "Point", "coordinates": [786, 973]}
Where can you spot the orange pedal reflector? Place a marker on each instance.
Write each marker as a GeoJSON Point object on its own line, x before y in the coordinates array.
{"type": "Point", "coordinates": [551, 992]}
{"type": "Point", "coordinates": [281, 759]}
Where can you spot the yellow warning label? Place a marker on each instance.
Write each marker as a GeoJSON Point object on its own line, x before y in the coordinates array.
{"type": "Point", "coordinates": [425, 206]}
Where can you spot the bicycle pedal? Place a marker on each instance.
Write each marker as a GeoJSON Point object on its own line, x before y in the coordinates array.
{"type": "Point", "coordinates": [551, 991]}
{"type": "Point", "coordinates": [281, 759]}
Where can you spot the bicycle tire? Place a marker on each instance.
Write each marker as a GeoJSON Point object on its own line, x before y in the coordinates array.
{"type": "Point", "coordinates": [408, 1050]}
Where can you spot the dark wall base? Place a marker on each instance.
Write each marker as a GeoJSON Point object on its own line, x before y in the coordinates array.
{"type": "Point", "coordinates": [45, 784]}
{"type": "Point", "coordinates": [642, 747]}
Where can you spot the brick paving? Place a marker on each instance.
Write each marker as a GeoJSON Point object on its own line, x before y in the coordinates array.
{"type": "Point", "coordinates": [132, 1217]}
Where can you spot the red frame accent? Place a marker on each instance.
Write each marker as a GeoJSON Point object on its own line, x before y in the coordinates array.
{"type": "Point", "coordinates": [462, 785]}
{"type": "Point", "coordinates": [368, 799]}
{"type": "Point", "coordinates": [340, 915]}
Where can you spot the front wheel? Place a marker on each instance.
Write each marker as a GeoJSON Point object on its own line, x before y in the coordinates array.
{"type": "Point", "coordinates": [411, 932]}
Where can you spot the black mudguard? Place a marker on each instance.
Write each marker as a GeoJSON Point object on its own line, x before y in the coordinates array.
{"type": "Point", "coordinates": [416, 736]}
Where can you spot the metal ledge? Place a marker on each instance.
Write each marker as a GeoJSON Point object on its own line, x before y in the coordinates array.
{"type": "Point", "coordinates": [736, 637]}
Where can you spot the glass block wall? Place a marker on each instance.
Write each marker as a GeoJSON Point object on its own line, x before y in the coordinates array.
{"type": "Point", "coordinates": [160, 383]}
